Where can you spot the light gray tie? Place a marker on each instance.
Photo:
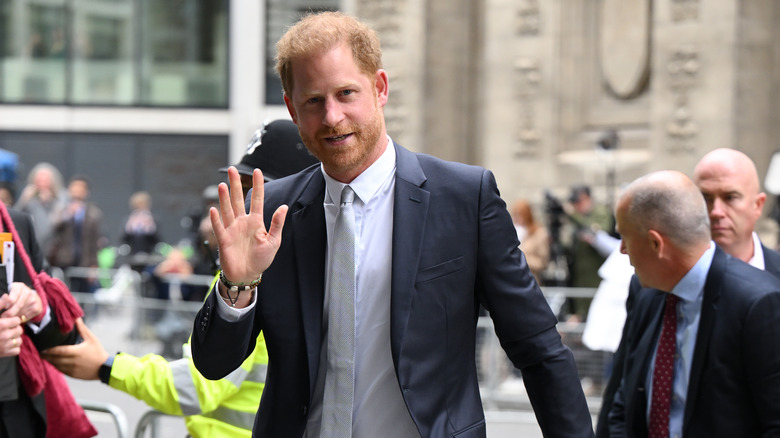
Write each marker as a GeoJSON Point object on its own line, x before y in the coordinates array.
{"type": "Point", "coordinates": [340, 375]}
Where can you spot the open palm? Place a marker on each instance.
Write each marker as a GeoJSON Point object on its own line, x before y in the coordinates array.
{"type": "Point", "coordinates": [246, 248]}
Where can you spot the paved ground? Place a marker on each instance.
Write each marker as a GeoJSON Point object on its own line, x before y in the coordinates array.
{"type": "Point", "coordinates": [112, 326]}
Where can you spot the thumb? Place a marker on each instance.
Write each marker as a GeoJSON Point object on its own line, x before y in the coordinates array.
{"type": "Point", "coordinates": [84, 331]}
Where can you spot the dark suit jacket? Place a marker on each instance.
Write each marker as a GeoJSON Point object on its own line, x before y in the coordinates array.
{"type": "Point", "coordinates": [771, 265]}
{"type": "Point", "coordinates": [23, 416]}
{"type": "Point", "coordinates": [734, 387]}
{"type": "Point", "coordinates": [454, 248]}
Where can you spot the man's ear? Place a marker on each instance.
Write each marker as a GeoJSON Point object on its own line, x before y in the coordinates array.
{"type": "Point", "coordinates": [290, 108]}
{"type": "Point", "coordinates": [656, 242]}
{"type": "Point", "coordinates": [760, 201]}
{"type": "Point", "coordinates": [382, 85]}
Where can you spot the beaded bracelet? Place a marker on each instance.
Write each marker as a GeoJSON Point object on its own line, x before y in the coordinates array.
{"type": "Point", "coordinates": [237, 287]}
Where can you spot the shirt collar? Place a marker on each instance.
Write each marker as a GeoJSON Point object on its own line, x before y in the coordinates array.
{"type": "Point", "coordinates": [691, 286]}
{"type": "Point", "coordinates": [368, 182]}
{"type": "Point", "coordinates": [758, 253]}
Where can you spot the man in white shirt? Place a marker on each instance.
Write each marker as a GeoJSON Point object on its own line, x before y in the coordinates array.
{"type": "Point", "coordinates": [432, 241]}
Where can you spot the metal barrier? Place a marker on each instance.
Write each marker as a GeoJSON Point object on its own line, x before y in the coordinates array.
{"type": "Point", "coordinates": [150, 420]}
{"type": "Point", "coordinates": [117, 415]}
{"type": "Point", "coordinates": [501, 385]}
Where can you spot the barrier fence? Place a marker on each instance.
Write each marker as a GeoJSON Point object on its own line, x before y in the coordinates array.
{"type": "Point", "coordinates": [162, 325]}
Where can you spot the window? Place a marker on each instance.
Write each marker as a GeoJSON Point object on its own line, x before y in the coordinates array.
{"type": "Point", "coordinates": [114, 52]}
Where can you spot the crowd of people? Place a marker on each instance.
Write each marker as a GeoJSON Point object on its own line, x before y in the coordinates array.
{"type": "Point", "coordinates": [349, 275]}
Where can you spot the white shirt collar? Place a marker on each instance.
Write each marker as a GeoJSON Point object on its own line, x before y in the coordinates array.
{"type": "Point", "coordinates": [758, 254]}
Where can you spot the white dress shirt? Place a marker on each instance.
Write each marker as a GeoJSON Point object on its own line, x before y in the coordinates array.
{"type": "Point", "coordinates": [379, 409]}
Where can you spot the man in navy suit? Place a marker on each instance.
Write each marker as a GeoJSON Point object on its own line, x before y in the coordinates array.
{"type": "Point", "coordinates": [728, 180]}
{"type": "Point", "coordinates": [725, 380]}
{"type": "Point", "coordinates": [433, 241]}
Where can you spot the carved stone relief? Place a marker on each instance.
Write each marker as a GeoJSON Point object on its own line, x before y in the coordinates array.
{"type": "Point", "coordinates": [527, 85]}
{"type": "Point", "coordinates": [528, 18]}
{"type": "Point", "coordinates": [624, 47]}
{"type": "Point", "coordinates": [685, 10]}
{"type": "Point", "coordinates": [683, 68]}
{"type": "Point", "coordinates": [396, 114]}
{"type": "Point", "coordinates": [386, 19]}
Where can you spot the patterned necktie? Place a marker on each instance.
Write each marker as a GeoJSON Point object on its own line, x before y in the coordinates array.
{"type": "Point", "coordinates": [663, 371]}
{"type": "Point", "coordinates": [340, 375]}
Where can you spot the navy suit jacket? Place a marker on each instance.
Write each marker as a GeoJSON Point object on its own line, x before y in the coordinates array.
{"type": "Point", "coordinates": [771, 265]}
{"type": "Point", "coordinates": [454, 248]}
{"type": "Point", "coordinates": [734, 387]}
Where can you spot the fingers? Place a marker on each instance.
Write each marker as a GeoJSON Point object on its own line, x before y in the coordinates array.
{"type": "Point", "coordinates": [225, 208]}
{"type": "Point", "coordinates": [236, 192]}
{"type": "Point", "coordinates": [258, 193]}
{"type": "Point", "coordinates": [12, 347]}
{"type": "Point", "coordinates": [84, 331]}
{"type": "Point", "coordinates": [10, 337]}
{"type": "Point", "coordinates": [216, 224]}
{"type": "Point", "coordinates": [63, 357]}
{"type": "Point", "coordinates": [277, 222]}
{"type": "Point", "coordinates": [22, 302]}
{"type": "Point", "coordinates": [81, 361]}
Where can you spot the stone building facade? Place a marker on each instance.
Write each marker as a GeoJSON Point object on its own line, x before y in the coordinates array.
{"type": "Point", "coordinates": [529, 88]}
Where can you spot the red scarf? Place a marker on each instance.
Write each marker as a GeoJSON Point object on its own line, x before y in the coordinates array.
{"type": "Point", "coordinates": [64, 417]}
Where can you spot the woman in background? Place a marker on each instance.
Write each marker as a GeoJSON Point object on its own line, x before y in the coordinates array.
{"type": "Point", "coordinates": [533, 236]}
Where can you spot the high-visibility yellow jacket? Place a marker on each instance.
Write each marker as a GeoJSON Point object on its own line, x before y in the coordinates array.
{"type": "Point", "coordinates": [213, 408]}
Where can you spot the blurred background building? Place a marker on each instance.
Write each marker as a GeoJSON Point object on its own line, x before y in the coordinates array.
{"type": "Point", "coordinates": [156, 95]}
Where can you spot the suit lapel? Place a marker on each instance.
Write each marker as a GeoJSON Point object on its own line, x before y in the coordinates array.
{"type": "Point", "coordinates": [310, 241]}
{"type": "Point", "coordinates": [771, 261]}
{"type": "Point", "coordinates": [709, 307]}
{"type": "Point", "coordinates": [410, 209]}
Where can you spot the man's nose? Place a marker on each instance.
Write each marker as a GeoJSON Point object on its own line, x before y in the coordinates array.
{"type": "Point", "coordinates": [334, 113]}
{"type": "Point", "coordinates": [716, 208]}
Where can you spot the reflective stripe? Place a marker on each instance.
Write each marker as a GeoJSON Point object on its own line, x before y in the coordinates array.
{"type": "Point", "coordinates": [258, 373]}
{"type": "Point", "coordinates": [242, 420]}
{"type": "Point", "coordinates": [182, 381]}
{"type": "Point", "coordinates": [239, 375]}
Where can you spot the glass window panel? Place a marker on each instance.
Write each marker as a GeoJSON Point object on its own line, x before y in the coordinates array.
{"type": "Point", "coordinates": [184, 53]}
{"type": "Point", "coordinates": [114, 52]}
{"type": "Point", "coordinates": [103, 68]}
{"type": "Point", "coordinates": [34, 51]}
{"type": "Point", "coordinates": [280, 14]}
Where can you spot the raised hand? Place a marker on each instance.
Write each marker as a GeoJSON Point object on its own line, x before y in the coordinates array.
{"type": "Point", "coordinates": [246, 249]}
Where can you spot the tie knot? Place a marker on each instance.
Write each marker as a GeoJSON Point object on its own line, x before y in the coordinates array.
{"type": "Point", "coordinates": [671, 304]}
{"type": "Point", "coordinates": [347, 195]}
